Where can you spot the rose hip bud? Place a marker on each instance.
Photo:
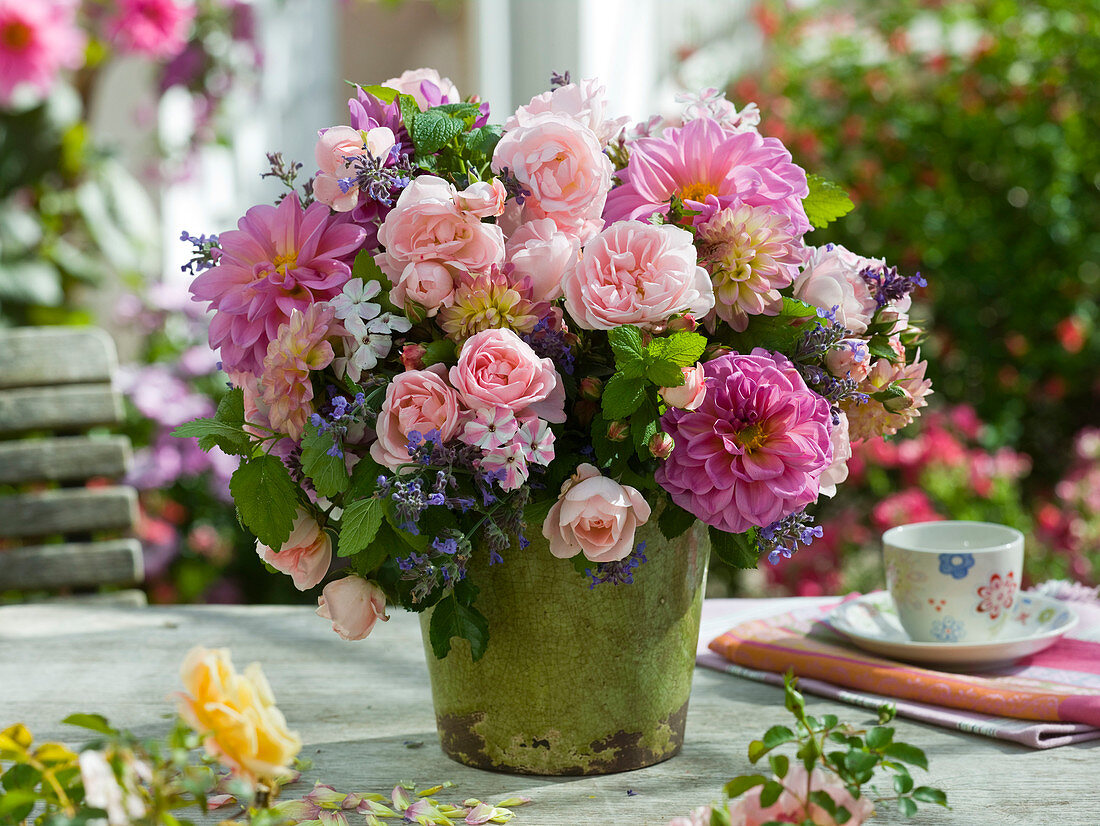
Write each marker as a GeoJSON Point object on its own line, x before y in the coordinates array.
{"type": "Point", "coordinates": [661, 445]}
{"type": "Point", "coordinates": [591, 388]}
{"type": "Point", "coordinates": [412, 356]}
{"type": "Point", "coordinates": [683, 324]}
{"type": "Point", "coordinates": [618, 430]}
{"type": "Point", "coordinates": [585, 411]}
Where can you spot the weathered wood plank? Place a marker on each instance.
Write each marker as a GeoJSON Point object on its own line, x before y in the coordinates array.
{"type": "Point", "coordinates": [63, 459]}
{"type": "Point", "coordinates": [73, 564]}
{"type": "Point", "coordinates": [40, 356]}
{"type": "Point", "coordinates": [74, 510]}
{"type": "Point", "coordinates": [75, 407]}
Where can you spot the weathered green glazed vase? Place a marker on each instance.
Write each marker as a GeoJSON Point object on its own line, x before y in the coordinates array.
{"type": "Point", "coordinates": [575, 680]}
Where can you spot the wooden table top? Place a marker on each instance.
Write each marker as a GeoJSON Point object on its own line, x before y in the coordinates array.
{"type": "Point", "coordinates": [364, 712]}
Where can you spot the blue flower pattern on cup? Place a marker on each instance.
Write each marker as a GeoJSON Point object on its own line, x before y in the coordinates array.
{"type": "Point", "coordinates": [948, 629]}
{"type": "Point", "coordinates": [956, 565]}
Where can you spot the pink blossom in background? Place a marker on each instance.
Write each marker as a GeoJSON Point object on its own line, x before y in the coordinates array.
{"type": "Point", "coordinates": [596, 516]}
{"type": "Point", "coordinates": [709, 168]}
{"type": "Point", "coordinates": [37, 41]}
{"type": "Point", "coordinates": [637, 273]}
{"type": "Point", "coordinates": [306, 554]}
{"type": "Point", "coordinates": [748, 811]}
{"type": "Point", "coordinates": [538, 250]}
{"type": "Point", "coordinates": [278, 259]}
{"type": "Point", "coordinates": [831, 278]}
{"type": "Point", "coordinates": [153, 28]}
{"type": "Point", "coordinates": [419, 400]}
{"type": "Point", "coordinates": [354, 605]}
{"type": "Point", "coordinates": [755, 449]}
{"type": "Point", "coordinates": [583, 102]}
{"type": "Point", "coordinates": [912, 505]}
{"type": "Point", "coordinates": [300, 348]}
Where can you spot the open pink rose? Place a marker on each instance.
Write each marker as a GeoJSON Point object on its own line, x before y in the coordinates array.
{"type": "Point", "coordinates": [832, 278]}
{"type": "Point", "coordinates": [354, 605]}
{"type": "Point", "coordinates": [305, 555]}
{"type": "Point", "coordinates": [497, 368]}
{"type": "Point", "coordinates": [690, 394]}
{"type": "Point", "coordinates": [335, 146]}
{"type": "Point", "coordinates": [418, 400]}
{"type": "Point", "coordinates": [428, 283]}
{"type": "Point", "coordinates": [637, 273]}
{"type": "Point", "coordinates": [560, 162]}
{"type": "Point", "coordinates": [427, 225]}
{"type": "Point", "coordinates": [485, 199]}
{"type": "Point", "coordinates": [539, 250]}
{"type": "Point", "coordinates": [584, 102]}
{"type": "Point", "coordinates": [595, 516]}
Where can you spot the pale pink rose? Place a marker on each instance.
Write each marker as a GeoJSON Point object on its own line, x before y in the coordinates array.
{"type": "Point", "coordinates": [540, 251]}
{"type": "Point", "coordinates": [485, 199]}
{"type": "Point", "coordinates": [691, 393]}
{"type": "Point", "coordinates": [831, 278]}
{"type": "Point", "coordinates": [305, 555]}
{"type": "Point", "coordinates": [837, 472]}
{"type": "Point", "coordinates": [747, 811]}
{"type": "Point", "coordinates": [426, 225]}
{"type": "Point", "coordinates": [334, 147]}
{"type": "Point", "coordinates": [428, 283]}
{"type": "Point", "coordinates": [427, 87]}
{"type": "Point", "coordinates": [595, 516]}
{"type": "Point", "coordinates": [850, 360]}
{"type": "Point", "coordinates": [637, 273]}
{"type": "Point", "coordinates": [418, 400]}
{"type": "Point", "coordinates": [496, 368]}
{"type": "Point", "coordinates": [561, 163]}
{"type": "Point", "coordinates": [584, 102]}
{"type": "Point", "coordinates": [580, 227]}
{"type": "Point", "coordinates": [354, 605]}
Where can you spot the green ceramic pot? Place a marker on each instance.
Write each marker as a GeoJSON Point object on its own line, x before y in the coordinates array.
{"type": "Point", "coordinates": [575, 680]}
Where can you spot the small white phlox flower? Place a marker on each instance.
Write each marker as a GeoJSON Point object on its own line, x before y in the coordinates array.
{"type": "Point", "coordinates": [511, 458]}
{"type": "Point", "coordinates": [353, 305]}
{"type": "Point", "coordinates": [490, 428]}
{"type": "Point", "coordinates": [538, 441]}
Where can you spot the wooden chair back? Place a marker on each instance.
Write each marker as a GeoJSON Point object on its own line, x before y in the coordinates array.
{"type": "Point", "coordinates": [64, 518]}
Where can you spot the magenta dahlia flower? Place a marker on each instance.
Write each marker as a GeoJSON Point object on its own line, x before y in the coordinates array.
{"type": "Point", "coordinates": [708, 167]}
{"type": "Point", "coordinates": [279, 259]}
{"type": "Point", "coordinates": [754, 450]}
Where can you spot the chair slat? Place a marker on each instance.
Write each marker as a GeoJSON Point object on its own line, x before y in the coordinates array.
{"type": "Point", "coordinates": [74, 510]}
{"type": "Point", "coordinates": [75, 564]}
{"type": "Point", "coordinates": [76, 407]}
{"type": "Point", "coordinates": [63, 459]}
{"type": "Point", "coordinates": [40, 356]}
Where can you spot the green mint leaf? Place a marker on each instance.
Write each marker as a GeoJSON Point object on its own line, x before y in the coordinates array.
{"type": "Point", "coordinates": [632, 370]}
{"type": "Point", "coordinates": [451, 618]}
{"type": "Point", "coordinates": [458, 110]}
{"type": "Point", "coordinates": [483, 140]}
{"type": "Point", "coordinates": [267, 499]}
{"type": "Point", "coordinates": [211, 433]}
{"type": "Point", "coordinates": [643, 427]}
{"type": "Point", "coordinates": [95, 722]}
{"type": "Point", "coordinates": [826, 202]}
{"type": "Point", "coordinates": [328, 473]}
{"type": "Point", "coordinates": [621, 397]}
{"type": "Point", "coordinates": [683, 349]}
{"type": "Point", "coordinates": [231, 408]}
{"type": "Point", "coordinates": [907, 754]}
{"type": "Point", "coordinates": [664, 373]}
{"type": "Point", "coordinates": [739, 785]}
{"type": "Point", "coordinates": [432, 130]}
{"type": "Point", "coordinates": [736, 549]}
{"type": "Point", "coordinates": [626, 344]}
{"type": "Point", "coordinates": [674, 520]}
{"type": "Point", "coordinates": [359, 525]}
{"type": "Point", "coordinates": [926, 794]}
{"type": "Point", "coordinates": [410, 110]}
{"type": "Point", "coordinates": [364, 479]}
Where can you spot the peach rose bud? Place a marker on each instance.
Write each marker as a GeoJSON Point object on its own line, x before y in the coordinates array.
{"type": "Point", "coordinates": [354, 605]}
{"type": "Point", "coordinates": [595, 516]}
{"type": "Point", "coordinates": [485, 199]}
{"type": "Point", "coordinates": [661, 445]}
{"type": "Point", "coordinates": [690, 394]}
{"type": "Point", "coordinates": [306, 554]}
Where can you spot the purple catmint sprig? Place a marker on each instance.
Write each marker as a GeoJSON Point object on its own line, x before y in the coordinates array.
{"type": "Point", "coordinates": [337, 415]}
{"type": "Point", "coordinates": [617, 573]}
{"type": "Point", "coordinates": [780, 539]}
{"type": "Point", "coordinates": [808, 353]}
{"type": "Point", "coordinates": [888, 286]}
{"type": "Point", "coordinates": [513, 186]}
{"type": "Point", "coordinates": [551, 343]}
{"type": "Point", "coordinates": [204, 253]}
{"type": "Point", "coordinates": [558, 80]}
{"type": "Point", "coordinates": [378, 178]}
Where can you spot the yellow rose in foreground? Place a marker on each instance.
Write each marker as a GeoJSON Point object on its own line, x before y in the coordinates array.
{"type": "Point", "coordinates": [236, 715]}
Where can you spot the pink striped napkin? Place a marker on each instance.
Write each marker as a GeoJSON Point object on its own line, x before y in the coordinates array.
{"type": "Point", "coordinates": [1048, 699]}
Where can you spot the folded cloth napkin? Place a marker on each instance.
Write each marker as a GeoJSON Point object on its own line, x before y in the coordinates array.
{"type": "Point", "coordinates": [1048, 699]}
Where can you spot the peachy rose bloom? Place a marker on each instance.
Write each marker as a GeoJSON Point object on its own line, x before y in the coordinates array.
{"type": "Point", "coordinates": [690, 394]}
{"type": "Point", "coordinates": [335, 146]}
{"type": "Point", "coordinates": [540, 251]}
{"type": "Point", "coordinates": [306, 554]}
{"type": "Point", "coordinates": [236, 715]}
{"type": "Point", "coordinates": [637, 273]}
{"type": "Point", "coordinates": [595, 516]}
{"type": "Point", "coordinates": [353, 605]}
{"type": "Point", "coordinates": [496, 368]}
{"type": "Point", "coordinates": [832, 278]}
{"type": "Point", "coordinates": [419, 400]}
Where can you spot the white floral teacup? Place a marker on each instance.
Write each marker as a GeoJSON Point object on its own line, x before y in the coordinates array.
{"type": "Point", "coordinates": [953, 581]}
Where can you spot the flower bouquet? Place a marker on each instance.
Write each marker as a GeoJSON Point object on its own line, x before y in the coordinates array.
{"type": "Point", "coordinates": [519, 378]}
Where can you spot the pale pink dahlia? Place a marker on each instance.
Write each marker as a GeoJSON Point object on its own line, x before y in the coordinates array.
{"type": "Point", "coordinates": [751, 253]}
{"type": "Point", "coordinates": [873, 418]}
{"type": "Point", "coordinates": [708, 167]}
{"type": "Point", "coordinates": [754, 450]}
{"type": "Point", "coordinates": [487, 301]}
{"type": "Point", "coordinates": [37, 40]}
{"type": "Point", "coordinates": [153, 28]}
{"type": "Point", "coordinates": [299, 348]}
{"type": "Point", "coordinates": [279, 259]}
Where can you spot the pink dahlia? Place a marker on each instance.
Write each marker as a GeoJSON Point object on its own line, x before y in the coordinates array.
{"type": "Point", "coordinates": [153, 28]}
{"type": "Point", "coordinates": [708, 167]}
{"type": "Point", "coordinates": [37, 40]}
{"type": "Point", "coordinates": [300, 347]}
{"type": "Point", "coordinates": [278, 260]}
{"type": "Point", "coordinates": [754, 450]}
{"type": "Point", "coordinates": [751, 253]}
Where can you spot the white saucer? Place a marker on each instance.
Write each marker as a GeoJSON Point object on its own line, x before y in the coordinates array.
{"type": "Point", "coordinates": [871, 622]}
